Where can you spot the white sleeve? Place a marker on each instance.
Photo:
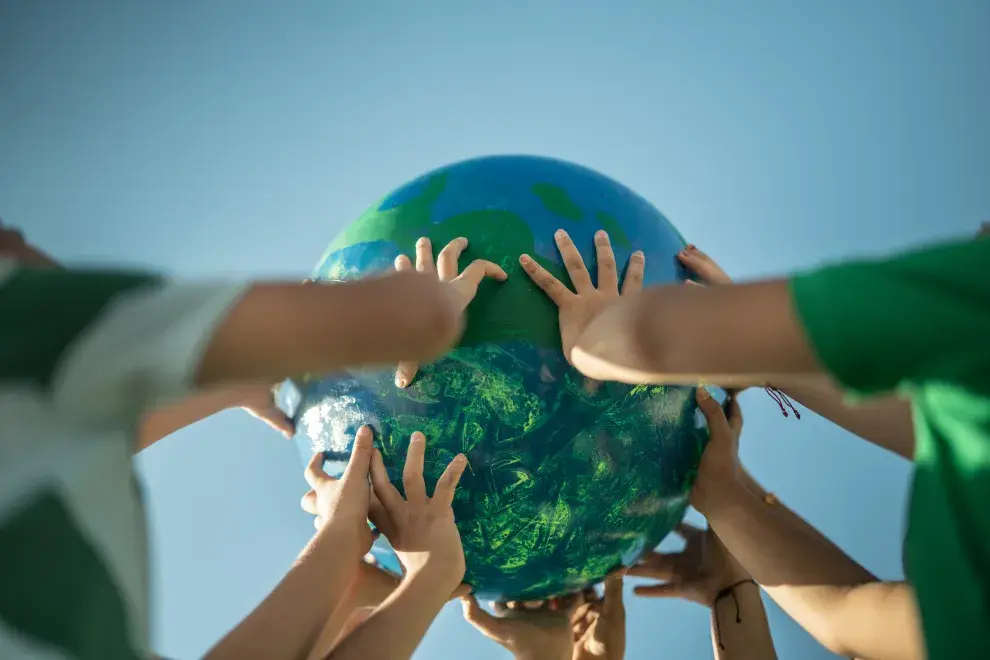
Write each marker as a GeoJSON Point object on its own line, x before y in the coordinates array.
{"type": "Point", "coordinates": [142, 350]}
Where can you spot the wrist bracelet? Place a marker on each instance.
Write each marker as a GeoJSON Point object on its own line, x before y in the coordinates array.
{"type": "Point", "coordinates": [728, 591]}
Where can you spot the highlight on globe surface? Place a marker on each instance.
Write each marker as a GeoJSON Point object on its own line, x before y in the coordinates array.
{"type": "Point", "coordinates": [567, 478]}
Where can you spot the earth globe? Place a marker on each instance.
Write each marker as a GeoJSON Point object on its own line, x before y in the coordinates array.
{"type": "Point", "coordinates": [567, 478]}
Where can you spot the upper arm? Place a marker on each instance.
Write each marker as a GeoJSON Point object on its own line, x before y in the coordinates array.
{"type": "Point", "coordinates": [105, 345]}
{"type": "Point", "coordinates": [916, 318]}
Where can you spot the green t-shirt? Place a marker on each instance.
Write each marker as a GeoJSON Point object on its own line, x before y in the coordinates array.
{"type": "Point", "coordinates": [920, 324]}
{"type": "Point", "coordinates": [82, 355]}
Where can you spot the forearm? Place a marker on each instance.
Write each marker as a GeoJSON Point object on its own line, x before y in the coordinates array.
{"type": "Point", "coordinates": [397, 626]}
{"type": "Point", "coordinates": [281, 330]}
{"type": "Point", "coordinates": [371, 587]}
{"type": "Point", "coordinates": [804, 572]}
{"type": "Point", "coordinates": [288, 622]}
{"type": "Point", "coordinates": [737, 335]}
{"type": "Point", "coordinates": [739, 626]}
{"type": "Point", "coordinates": [885, 421]}
{"type": "Point", "coordinates": [167, 420]}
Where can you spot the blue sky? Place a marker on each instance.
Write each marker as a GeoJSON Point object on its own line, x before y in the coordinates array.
{"type": "Point", "coordinates": [234, 139]}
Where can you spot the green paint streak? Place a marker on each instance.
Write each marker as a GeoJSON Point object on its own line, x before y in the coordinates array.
{"type": "Point", "coordinates": [556, 200]}
{"type": "Point", "coordinates": [614, 230]}
{"type": "Point", "coordinates": [515, 309]}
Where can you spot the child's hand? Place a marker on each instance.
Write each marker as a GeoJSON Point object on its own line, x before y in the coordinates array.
{"type": "Point", "coordinates": [720, 462]}
{"type": "Point", "coordinates": [420, 528]}
{"type": "Point", "coordinates": [578, 309]}
{"type": "Point", "coordinates": [698, 573]}
{"type": "Point", "coordinates": [703, 266]}
{"type": "Point", "coordinates": [599, 625]}
{"type": "Point", "coordinates": [529, 634]}
{"type": "Point", "coordinates": [342, 504]}
{"type": "Point", "coordinates": [463, 287]}
{"type": "Point", "coordinates": [259, 402]}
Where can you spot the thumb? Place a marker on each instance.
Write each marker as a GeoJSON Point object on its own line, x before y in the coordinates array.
{"type": "Point", "coordinates": [718, 425]}
{"type": "Point", "coordinates": [488, 625]}
{"type": "Point", "coordinates": [360, 462]}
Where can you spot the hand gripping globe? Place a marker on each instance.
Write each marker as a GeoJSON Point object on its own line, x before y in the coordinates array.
{"type": "Point", "coordinates": [567, 478]}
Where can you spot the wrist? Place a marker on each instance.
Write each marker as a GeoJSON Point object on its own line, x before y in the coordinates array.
{"type": "Point", "coordinates": [712, 496]}
{"type": "Point", "coordinates": [433, 575]}
{"type": "Point", "coordinates": [343, 538]}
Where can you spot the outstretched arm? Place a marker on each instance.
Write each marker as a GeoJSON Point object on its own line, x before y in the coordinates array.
{"type": "Point", "coordinates": [370, 589]}
{"type": "Point", "coordinates": [883, 420]}
{"type": "Point", "coordinates": [786, 331]}
{"type": "Point", "coordinates": [255, 399]}
{"type": "Point", "coordinates": [828, 593]}
{"type": "Point", "coordinates": [288, 622]}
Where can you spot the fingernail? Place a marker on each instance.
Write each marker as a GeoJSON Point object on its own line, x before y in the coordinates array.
{"type": "Point", "coordinates": [639, 253]}
{"type": "Point", "coordinates": [601, 235]}
{"type": "Point", "coordinates": [524, 259]}
{"type": "Point", "coordinates": [703, 393]}
{"type": "Point", "coordinates": [400, 381]}
{"type": "Point", "coordinates": [560, 233]}
{"type": "Point", "coordinates": [691, 246]}
{"type": "Point", "coordinates": [460, 458]}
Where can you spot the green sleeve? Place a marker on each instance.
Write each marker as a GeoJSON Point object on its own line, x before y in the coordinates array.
{"type": "Point", "coordinates": [43, 312]}
{"type": "Point", "coordinates": [918, 318]}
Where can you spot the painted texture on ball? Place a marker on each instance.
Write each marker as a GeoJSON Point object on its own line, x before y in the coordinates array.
{"type": "Point", "coordinates": [567, 478]}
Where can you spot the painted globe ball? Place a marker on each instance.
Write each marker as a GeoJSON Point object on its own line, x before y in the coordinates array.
{"type": "Point", "coordinates": [567, 478]}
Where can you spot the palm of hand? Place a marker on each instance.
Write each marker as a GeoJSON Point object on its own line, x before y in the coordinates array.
{"type": "Point", "coordinates": [420, 528]}
{"type": "Point", "coordinates": [426, 535]}
{"type": "Point", "coordinates": [463, 287]}
{"type": "Point", "coordinates": [579, 307]}
{"type": "Point", "coordinates": [698, 573]}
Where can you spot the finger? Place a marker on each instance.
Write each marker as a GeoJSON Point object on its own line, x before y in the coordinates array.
{"type": "Point", "coordinates": [633, 279]}
{"type": "Point", "coordinates": [377, 513]}
{"type": "Point", "coordinates": [666, 590]}
{"type": "Point", "coordinates": [487, 625]}
{"type": "Point", "coordinates": [412, 473]}
{"type": "Point", "coordinates": [318, 523]}
{"type": "Point", "coordinates": [693, 283]}
{"type": "Point", "coordinates": [573, 262]}
{"type": "Point", "coordinates": [424, 255]}
{"type": "Point", "coordinates": [703, 266]}
{"type": "Point", "coordinates": [718, 425]}
{"type": "Point", "coordinates": [447, 259]}
{"type": "Point", "coordinates": [359, 464]}
{"type": "Point", "coordinates": [275, 418]}
{"type": "Point", "coordinates": [447, 484]}
{"type": "Point", "coordinates": [405, 373]}
{"type": "Point", "coordinates": [550, 285]}
{"type": "Point", "coordinates": [652, 572]}
{"type": "Point", "coordinates": [308, 502]}
{"type": "Point", "coordinates": [467, 282]}
{"type": "Point", "coordinates": [403, 263]}
{"type": "Point", "coordinates": [608, 278]}
{"type": "Point", "coordinates": [384, 490]}
{"type": "Point", "coordinates": [314, 470]}
{"type": "Point", "coordinates": [462, 590]}
{"type": "Point", "coordinates": [581, 612]}
{"type": "Point", "coordinates": [614, 608]}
